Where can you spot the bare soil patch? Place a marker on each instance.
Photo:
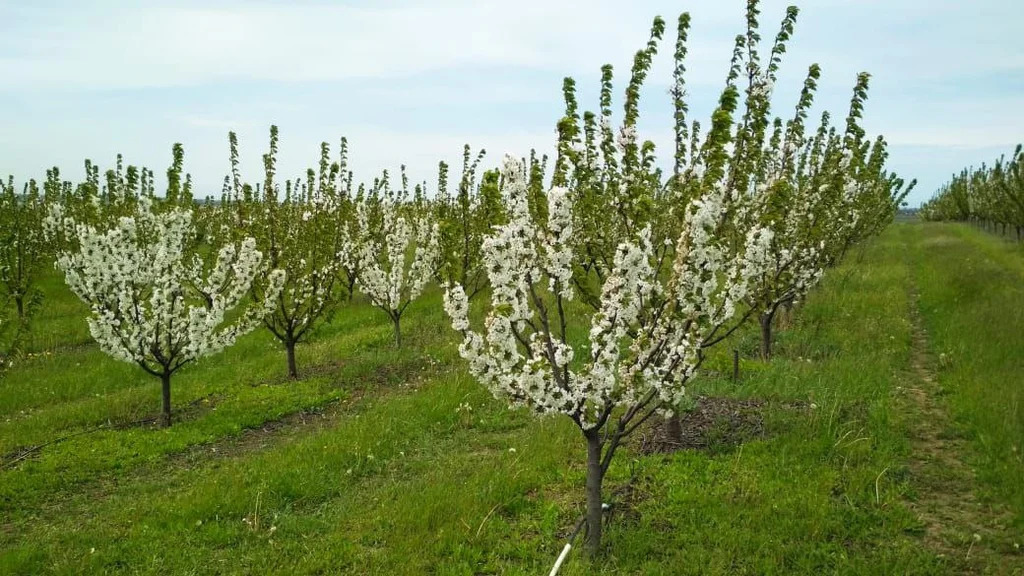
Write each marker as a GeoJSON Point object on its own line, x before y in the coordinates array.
{"type": "Point", "coordinates": [715, 424]}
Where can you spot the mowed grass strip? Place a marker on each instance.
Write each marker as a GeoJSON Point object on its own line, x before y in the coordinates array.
{"type": "Point", "coordinates": [972, 301]}
{"type": "Point", "coordinates": [84, 435]}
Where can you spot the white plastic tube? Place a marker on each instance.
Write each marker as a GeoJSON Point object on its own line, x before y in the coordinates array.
{"type": "Point", "coordinates": [605, 507]}
{"type": "Point", "coordinates": [561, 558]}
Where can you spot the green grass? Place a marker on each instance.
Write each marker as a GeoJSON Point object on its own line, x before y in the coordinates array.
{"type": "Point", "coordinates": [972, 300]}
{"type": "Point", "coordinates": [377, 469]}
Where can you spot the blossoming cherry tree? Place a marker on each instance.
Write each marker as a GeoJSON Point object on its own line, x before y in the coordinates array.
{"type": "Point", "coordinates": [644, 339]}
{"type": "Point", "coordinates": [396, 253]}
{"type": "Point", "coordinates": [153, 300]}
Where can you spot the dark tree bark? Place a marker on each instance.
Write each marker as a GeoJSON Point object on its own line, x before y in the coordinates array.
{"type": "Point", "coordinates": [766, 334]}
{"type": "Point", "coordinates": [673, 430]}
{"type": "Point", "coordinates": [293, 371]}
{"type": "Point", "coordinates": [351, 288]}
{"type": "Point", "coordinates": [396, 320]}
{"type": "Point", "coordinates": [595, 478]}
{"type": "Point", "coordinates": [165, 385]}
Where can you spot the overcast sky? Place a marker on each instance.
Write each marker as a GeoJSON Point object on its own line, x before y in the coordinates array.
{"type": "Point", "coordinates": [411, 82]}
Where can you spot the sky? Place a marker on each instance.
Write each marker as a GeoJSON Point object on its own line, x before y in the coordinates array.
{"type": "Point", "coordinates": [412, 82]}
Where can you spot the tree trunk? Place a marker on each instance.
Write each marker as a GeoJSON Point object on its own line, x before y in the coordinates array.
{"type": "Point", "coordinates": [766, 335]}
{"type": "Point", "coordinates": [673, 430]}
{"type": "Point", "coordinates": [735, 365]}
{"type": "Point", "coordinates": [351, 288]}
{"type": "Point", "coordinates": [165, 385]}
{"type": "Point", "coordinates": [293, 371]}
{"type": "Point", "coordinates": [397, 321]}
{"type": "Point", "coordinates": [595, 477]}
{"type": "Point", "coordinates": [19, 301]}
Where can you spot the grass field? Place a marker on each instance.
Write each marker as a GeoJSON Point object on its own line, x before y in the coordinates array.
{"type": "Point", "coordinates": [888, 439]}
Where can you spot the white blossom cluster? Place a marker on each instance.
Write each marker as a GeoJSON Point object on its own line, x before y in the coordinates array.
{"type": "Point", "coordinates": [397, 261]}
{"type": "Point", "coordinates": [309, 292]}
{"type": "Point", "coordinates": [818, 221]}
{"type": "Point", "coordinates": [798, 256]}
{"type": "Point", "coordinates": [646, 335]}
{"type": "Point", "coordinates": [714, 277]}
{"type": "Point", "coordinates": [152, 301]}
{"type": "Point", "coordinates": [300, 236]}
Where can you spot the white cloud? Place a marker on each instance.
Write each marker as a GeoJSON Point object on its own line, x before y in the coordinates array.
{"type": "Point", "coordinates": [146, 45]}
{"type": "Point", "coordinates": [962, 138]}
{"type": "Point", "coordinates": [930, 59]}
{"type": "Point", "coordinates": [219, 124]}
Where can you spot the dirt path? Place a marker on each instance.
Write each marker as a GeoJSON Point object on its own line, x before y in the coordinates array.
{"type": "Point", "coordinates": [973, 537]}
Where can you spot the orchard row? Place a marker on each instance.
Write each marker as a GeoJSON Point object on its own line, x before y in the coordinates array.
{"type": "Point", "coordinates": [591, 288]}
{"type": "Point", "coordinates": [991, 196]}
